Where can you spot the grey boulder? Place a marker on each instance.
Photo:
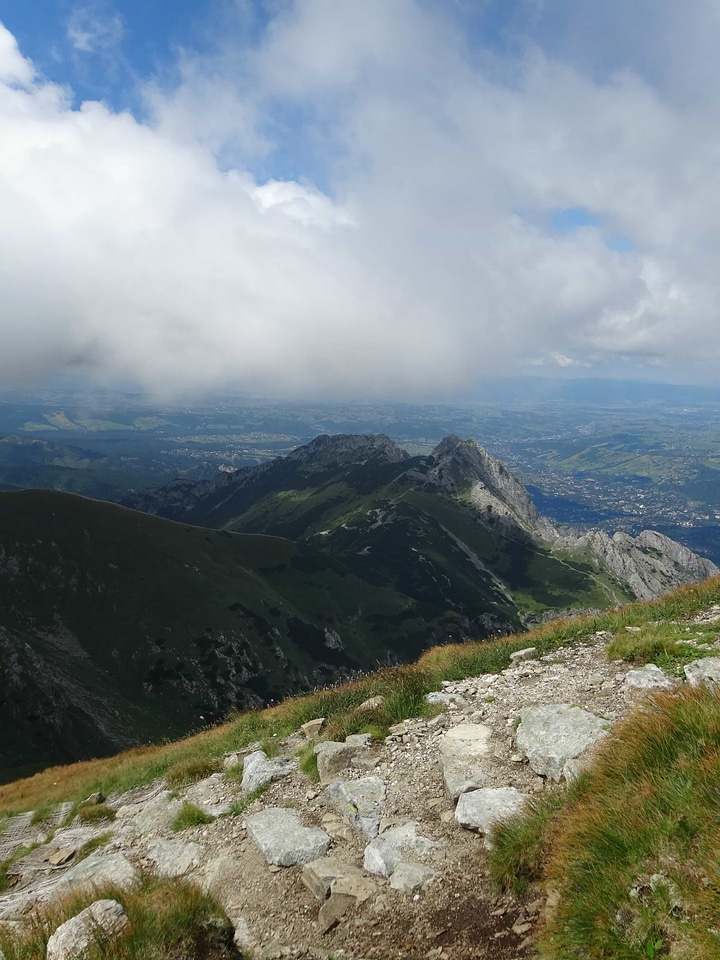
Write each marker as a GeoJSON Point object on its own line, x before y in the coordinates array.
{"type": "Point", "coordinates": [703, 673]}
{"type": "Point", "coordinates": [649, 677]}
{"type": "Point", "coordinates": [463, 751]}
{"type": "Point", "coordinates": [360, 801]}
{"type": "Point", "coordinates": [283, 840]}
{"type": "Point", "coordinates": [482, 810]}
{"type": "Point", "coordinates": [259, 771]}
{"type": "Point", "coordinates": [550, 736]}
{"type": "Point", "coordinates": [384, 853]}
{"type": "Point", "coordinates": [98, 923]}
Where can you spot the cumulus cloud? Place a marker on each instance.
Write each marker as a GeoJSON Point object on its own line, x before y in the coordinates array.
{"type": "Point", "coordinates": [412, 253]}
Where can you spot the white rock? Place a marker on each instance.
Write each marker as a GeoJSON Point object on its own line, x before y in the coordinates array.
{"type": "Point", "coordinates": [481, 810]}
{"type": "Point", "coordinates": [526, 654]}
{"type": "Point", "coordinates": [174, 858]}
{"type": "Point", "coordinates": [649, 677]}
{"type": "Point", "coordinates": [334, 757]}
{"type": "Point", "coordinates": [153, 816]}
{"type": "Point", "coordinates": [464, 750]}
{"type": "Point", "coordinates": [549, 736]}
{"type": "Point", "coordinates": [283, 840]}
{"type": "Point", "coordinates": [705, 672]}
{"type": "Point", "coordinates": [384, 853]}
{"type": "Point", "coordinates": [100, 922]}
{"type": "Point", "coordinates": [211, 795]}
{"type": "Point", "coordinates": [99, 869]}
{"type": "Point", "coordinates": [360, 801]}
{"type": "Point", "coordinates": [259, 771]}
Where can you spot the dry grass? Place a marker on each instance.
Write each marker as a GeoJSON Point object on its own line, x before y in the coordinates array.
{"type": "Point", "coordinates": [169, 920]}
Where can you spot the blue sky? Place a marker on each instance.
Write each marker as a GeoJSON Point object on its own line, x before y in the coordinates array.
{"type": "Point", "coordinates": [361, 197]}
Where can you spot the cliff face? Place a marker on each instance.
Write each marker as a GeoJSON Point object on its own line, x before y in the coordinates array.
{"type": "Point", "coordinates": [650, 563]}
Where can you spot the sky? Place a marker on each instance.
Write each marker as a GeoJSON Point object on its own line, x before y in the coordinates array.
{"type": "Point", "coordinates": [358, 198]}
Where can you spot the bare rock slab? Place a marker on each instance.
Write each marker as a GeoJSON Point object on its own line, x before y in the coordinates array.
{"type": "Point", "coordinates": [360, 801]}
{"type": "Point", "coordinates": [703, 673]}
{"type": "Point", "coordinates": [463, 751]}
{"type": "Point", "coordinates": [384, 853]}
{"type": "Point", "coordinates": [259, 771]}
{"type": "Point", "coordinates": [224, 878]}
{"type": "Point", "coordinates": [100, 922]}
{"type": "Point", "coordinates": [283, 840]}
{"type": "Point", "coordinates": [174, 858]}
{"type": "Point", "coordinates": [481, 810]}
{"type": "Point", "coordinates": [647, 678]}
{"type": "Point", "coordinates": [550, 736]}
{"type": "Point", "coordinates": [153, 816]}
{"type": "Point", "coordinates": [213, 795]}
{"type": "Point", "coordinates": [99, 869]}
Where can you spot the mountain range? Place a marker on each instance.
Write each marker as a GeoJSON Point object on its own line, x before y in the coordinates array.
{"type": "Point", "coordinates": [119, 627]}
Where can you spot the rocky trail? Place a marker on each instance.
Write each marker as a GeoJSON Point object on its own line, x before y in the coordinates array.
{"type": "Point", "coordinates": [386, 856]}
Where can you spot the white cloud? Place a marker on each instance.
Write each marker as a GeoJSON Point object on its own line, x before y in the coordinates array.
{"type": "Point", "coordinates": [94, 29]}
{"type": "Point", "coordinates": [130, 248]}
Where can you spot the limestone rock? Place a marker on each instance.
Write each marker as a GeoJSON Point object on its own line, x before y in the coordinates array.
{"type": "Point", "coordinates": [373, 703]}
{"type": "Point", "coordinates": [212, 795]}
{"type": "Point", "coordinates": [481, 810]}
{"type": "Point", "coordinates": [99, 869]}
{"type": "Point", "coordinates": [153, 816]}
{"type": "Point", "coordinates": [705, 672]}
{"type": "Point", "coordinates": [649, 677]}
{"type": "Point", "coordinates": [409, 877]}
{"type": "Point", "coordinates": [549, 736]}
{"type": "Point", "coordinates": [282, 838]}
{"type": "Point", "coordinates": [312, 728]}
{"type": "Point", "coordinates": [525, 654]}
{"type": "Point", "coordinates": [319, 875]}
{"type": "Point", "coordinates": [334, 757]}
{"type": "Point", "coordinates": [384, 853]}
{"type": "Point", "coordinates": [259, 771]}
{"type": "Point", "coordinates": [98, 923]}
{"type": "Point", "coordinates": [463, 750]}
{"type": "Point", "coordinates": [360, 801]}
{"type": "Point", "coordinates": [174, 858]}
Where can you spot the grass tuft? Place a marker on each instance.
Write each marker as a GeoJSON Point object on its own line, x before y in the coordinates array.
{"type": "Point", "coordinates": [190, 816]}
{"type": "Point", "coordinates": [168, 920]}
{"type": "Point", "coordinates": [93, 812]}
{"type": "Point", "coordinates": [191, 770]}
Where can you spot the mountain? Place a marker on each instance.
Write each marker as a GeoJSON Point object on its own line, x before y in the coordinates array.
{"type": "Point", "coordinates": [340, 492]}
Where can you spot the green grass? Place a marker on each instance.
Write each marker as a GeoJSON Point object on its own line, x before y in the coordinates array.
{"type": "Point", "coordinates": [308, 763]}
{"type": "Point", "coordinates": [90, 846]}
{"type": "Point", "coordinates": [631, 846]}
{"type": "Point", "coordinates": [94, 812]}
{"type": "Point", "coordinates": [168, 920]}
{"type": "Point", "coordinates": [238, 808]}
{"type": "Point", "coordinates": [190, 816]}
{"type": "Point", "coordinates": [191, 770]}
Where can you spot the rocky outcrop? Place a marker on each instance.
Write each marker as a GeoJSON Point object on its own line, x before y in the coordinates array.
{"type": "Point", "coordinates": [650, 564]}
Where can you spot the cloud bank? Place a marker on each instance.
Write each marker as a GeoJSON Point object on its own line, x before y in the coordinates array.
{"type": "Point", "coordinates": [360, 201]}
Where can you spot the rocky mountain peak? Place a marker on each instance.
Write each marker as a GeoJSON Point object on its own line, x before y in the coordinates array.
{"type": "Point", "coordinates": [370, 444]}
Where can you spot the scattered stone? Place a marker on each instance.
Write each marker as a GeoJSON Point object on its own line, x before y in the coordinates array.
{"type": "Point", "coordinates": [549, 736]}
{"type": "Point", "coordinates": [483, 809]}
{"type": "Point", "coordinates": [383, 854]}
{"type": "Point", "coordinates": [259, 771]}
{"type": "Point", "coordinates": [98, 923]}
{"type": "Point", "coordinates": [282, 838]}
{"type": "Point", "coordinates": [231, 761]}
{"type": "Point", "coordinates": [224, 877]}
{"type": "Point", "coordinates": [360, 801]}
{"type": "Point", "coordinates": [526, 654]}
{"type": "Point", "coordinates": [705, 672]}
{"type": "Point", "coordinates": [367, 706]}
{"type": "Point", "coordinates": [463, 750]}
{"type": "Point", "coordinates": [649, 677]}
{"type": "Point", "coordinates": [312, 728]}
{"type": "Point", "coordinates": [634, 629]}
{"type": "Point", "coordinates": [409, 877]}
{"type": "Point", "coordinates": [60, 857]}
{"type": "Point", "coordinates": [332, 911]}
{"type": "Point", "coordinates": [333, 757]}
{"type": "Point", "coordinates": [319, 875]}
{"type": "Point", "coordinates": [359, 888]}
{"type": "Point", "coordinates": [210, 794]}
{"type": "Point", "coordinates": [174, 858]}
